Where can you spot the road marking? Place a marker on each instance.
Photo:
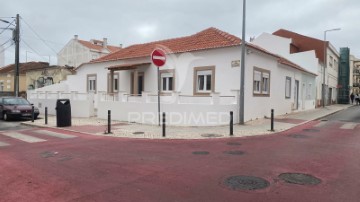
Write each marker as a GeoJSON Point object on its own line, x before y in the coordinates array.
{"type": "Point", "coordinates": [54, 134]}
{"type": "Point", "coordinates": [22, 137]}
{"type": "Point", "coordinates": [321, 124]}
{"type": "Point", "coordinates": [3, 144]}
{"type": "Point", "coordinates": [349, 126]}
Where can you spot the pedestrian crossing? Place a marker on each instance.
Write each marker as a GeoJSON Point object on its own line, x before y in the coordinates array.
{"type": "Point", "coordinates": [30, 136]}
{"type": "Point", "coordinates": [344, 125]}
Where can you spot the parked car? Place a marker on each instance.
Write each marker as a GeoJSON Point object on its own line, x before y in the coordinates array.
{"type": "Point", "coordinates": [16, 107]}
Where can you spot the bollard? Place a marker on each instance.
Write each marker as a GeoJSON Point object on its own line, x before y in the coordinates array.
{"type": "Point", "coordinates": [272, 120]}
{"type": "Point", "coordinates": [163, 125]}
{"type": "Point", "coordinates": [231, 123]}
{"type": "Point", "coordinates": [109, 121]}
{"type": "Point", "coordinates": [32, 113]}
{"type": "Point", "coordinates": [46, 116]}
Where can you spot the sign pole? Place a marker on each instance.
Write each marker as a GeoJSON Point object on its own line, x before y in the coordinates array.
{"type": "Point", "coordinates": [158, 73]}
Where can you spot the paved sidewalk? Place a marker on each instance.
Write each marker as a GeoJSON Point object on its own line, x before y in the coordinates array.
{"type": "Point", "coordinates": [95, 126]}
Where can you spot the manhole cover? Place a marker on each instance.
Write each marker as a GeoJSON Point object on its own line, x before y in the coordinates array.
{"type": "Point", "coordinates": [138, 133]}
{"type": "Point", "coordinates": [241, 182]}
{"type": "Point", "coordinates": [234, 152]}
{"type": "Point", "coordinates": [200, 153]}
{"type": "Point", "coordinates": [47, 154]}
{"type": "Point", "coordinates": [65, 158]}
{"type": "Point", "coordinates": [234, 143]}
{"type": "Point", "coordinates": [211, 135]}
{"type": "Point", "coordinates": [311, 130]}
{"type": "Point", "coordinates": [299, 178]}
{"type": "Point", "coordinates": [299, 136]}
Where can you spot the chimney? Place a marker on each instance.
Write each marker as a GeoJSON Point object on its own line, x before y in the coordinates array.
{"type": "Point", "coordinates": [104, 42]}
{"type": "Point", "coordinates": [76, 37]}
{"type": "Point", "coordinates": [121, 45]}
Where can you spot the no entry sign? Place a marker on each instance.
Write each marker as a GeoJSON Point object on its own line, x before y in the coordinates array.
{"type": "Point", "coordinates": [158, 57]}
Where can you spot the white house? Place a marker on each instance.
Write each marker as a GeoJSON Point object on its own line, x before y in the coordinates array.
{"type": "Point", "coordinates": [199, 85]}
{"type": "Point", "coordinates": [304, 46]}
{"type": "Point", "coordinates": [77, 51]}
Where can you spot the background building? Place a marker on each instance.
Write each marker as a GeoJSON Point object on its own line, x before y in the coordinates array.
{"type": "Point", "coordinates": [78, 51]}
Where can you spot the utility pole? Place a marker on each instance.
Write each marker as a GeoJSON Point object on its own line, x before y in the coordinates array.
{"type": "Point", "coordinates": [242, 69]}
{"type": "Point", "coordinates": [17, 47]}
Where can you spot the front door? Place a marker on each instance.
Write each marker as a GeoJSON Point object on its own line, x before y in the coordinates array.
{"type": "Point", "coordinates": [296, 95]}
{"type": "Point", "coordinates": [140, 83]}
{"type": "Point", "coordinates": [330, 96]}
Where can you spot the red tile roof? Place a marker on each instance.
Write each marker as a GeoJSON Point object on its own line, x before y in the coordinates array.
{"type": "Point", "coordinates": [92, 46]}
{"type": "Point", "coordinates": [23, 67]}
{"type": "Point", "coordinates": [301, 43]}
{"type": "Point", "coordinates": [127, 66]}
{"type": "Point", "coordinates": [206, 39]}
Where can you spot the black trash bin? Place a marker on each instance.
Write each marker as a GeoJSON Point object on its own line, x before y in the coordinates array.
{"type": "Point", "coordinates": [63, 113]}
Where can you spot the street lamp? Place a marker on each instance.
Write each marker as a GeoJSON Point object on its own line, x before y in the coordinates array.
{"type": "Point", "coordinates": [325, 63]}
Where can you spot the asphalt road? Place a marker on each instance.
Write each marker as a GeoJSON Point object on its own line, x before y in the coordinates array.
{"type": "Point", "coordinates": [351, 114]}
{"type": "Point", "coordinates": [93, 168]}
{"type": "Point", "coordinates": [12, 125]}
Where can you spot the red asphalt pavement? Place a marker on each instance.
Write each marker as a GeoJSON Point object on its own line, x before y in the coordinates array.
{"type": "Point", "coordinates": [93, 168]}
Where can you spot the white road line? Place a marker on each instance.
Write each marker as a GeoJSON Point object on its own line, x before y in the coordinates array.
{"type": "Point", "coordinates": [321, 124]}
{"type": "Point", "coordinates": [3, 144]}
{"type": "Point", "coordinates": [54, 134]}
{"type": "Point", "coordinates": [349, 126]}
{"type": "Point", "coordinates": [22, 137]}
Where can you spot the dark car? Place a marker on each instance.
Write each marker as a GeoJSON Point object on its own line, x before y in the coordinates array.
{"type": "Point", "coordinates": [16, 107]}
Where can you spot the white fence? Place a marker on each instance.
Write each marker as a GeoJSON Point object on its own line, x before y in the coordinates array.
{"type": "Point", "coordinates": [82, 104]}
{"type": "Point", "coordinates": [180, 109]}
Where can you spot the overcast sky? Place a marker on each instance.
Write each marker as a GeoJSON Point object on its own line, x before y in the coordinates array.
{"type": "Point", "coordinates": [139, 21]}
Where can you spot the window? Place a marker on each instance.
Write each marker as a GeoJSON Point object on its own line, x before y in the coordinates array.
{"type": "Point", "coordinates": [167, 81]}
{"type": "Point", "coordinates": [331, 61]}
{"type": "Point", "coordinates": [1, 86]}
{"type": "Point", "coordinates": [204, 80]}
{"type": "Point", "coordinates": [261, 84]}
{"type": "Point", "coordinates": [91, 83]}
{"type": "Point", "coordinates": [309, 91]}
{"type": "Point", "coordinates": [115, 82]}
{"type": "Point", "coordinates": [288, 88]}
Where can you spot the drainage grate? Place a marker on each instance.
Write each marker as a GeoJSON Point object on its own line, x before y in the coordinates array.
{"type": "Point", "coordinates": [237, 152]}
{"type": "Point", "coordinates": [211, 135]}
{"type": "Point", "coordinates": [324, 120]}
{"type": "Point", "coordinates": [299, 178]}
{"type": "Point", "coordinates": [200, 152]}
{"type": "Point", "coordinates": [138, 133]}
{"type": "Point", "coordinates": [311, 130]}
{"type": "Point", "coordinates": [241, 182]}
{"type": "Point", "coordinates": [299, 136]}
{"type": "Point", "coordinates": [234, 143]}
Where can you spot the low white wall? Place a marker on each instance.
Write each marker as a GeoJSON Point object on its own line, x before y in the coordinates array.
{"type": "Point", "coordinates": [81, 106]}
{"type": "Point", "coordinates": [176, 114]}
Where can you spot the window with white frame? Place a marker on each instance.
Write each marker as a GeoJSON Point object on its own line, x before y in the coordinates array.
{"type": "Point", "coordinates": [167, 81]}
{"type": "Point", "coordinates": [91, 83]}
{"type": "Point", "coordinates": [261, 83]}
{"type": "Point", "coordinates": [288, 87]}
{"type": "Point", "coordinates": [204, 80]}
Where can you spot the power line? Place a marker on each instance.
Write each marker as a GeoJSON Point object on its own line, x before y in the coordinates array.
{"type": "Point", "coordinates": [6, 42]}
{"type": "Point", "coordinates": [40, 38]}
{"type": "Point", "coordinates": [6, 48]}
{"type": "Point", "coordinates": [32, 48]}
{"type": "Point", "coordinates": [7, 27]}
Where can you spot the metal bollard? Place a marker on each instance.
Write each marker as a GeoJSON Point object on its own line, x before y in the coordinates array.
{"type": "Point", "coordinates": [231, 123]}
{"type": "Point", "coordinates": [46, 115]}
{"type": "Point", "coordinates": [163, 125]}
{"type": "Point", "coordinates": [32, 114]}
{"type": "Point", "coordinates": [109, 121]}
{"type": "Point", "coordinates": [272, 120]}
